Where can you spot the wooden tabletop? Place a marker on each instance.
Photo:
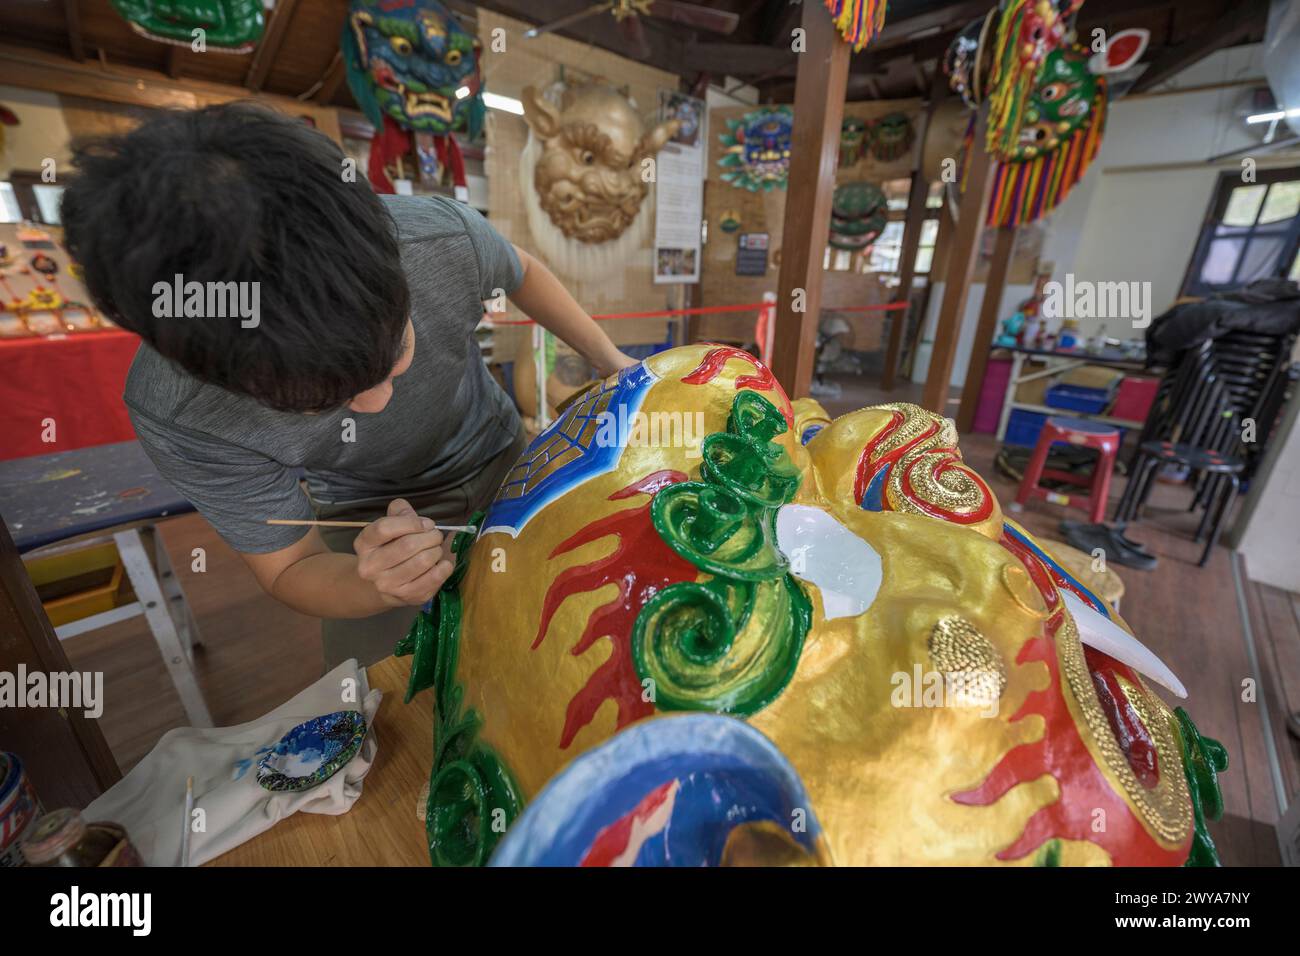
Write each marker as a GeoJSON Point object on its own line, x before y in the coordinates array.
{"type": "Point", "coordinates": [382, 828]}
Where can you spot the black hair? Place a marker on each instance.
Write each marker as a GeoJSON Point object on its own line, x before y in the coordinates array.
{"type": "Point", "coordinates": [240, 193]}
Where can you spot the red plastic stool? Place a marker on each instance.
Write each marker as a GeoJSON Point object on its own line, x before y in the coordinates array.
{"type": "Point", "coordinates": [1074, 431]}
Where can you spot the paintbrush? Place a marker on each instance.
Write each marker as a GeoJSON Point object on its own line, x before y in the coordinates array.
{"type": "Point", "coordinates": [185, 830]}
{"type": "Point", "coordinates": [361, 524]}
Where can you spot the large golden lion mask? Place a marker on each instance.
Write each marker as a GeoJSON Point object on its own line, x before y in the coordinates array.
{"type": "Point", "coordinates": [904, 675]}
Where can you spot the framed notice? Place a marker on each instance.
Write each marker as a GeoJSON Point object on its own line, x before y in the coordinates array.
{"type": "Point", "coordinates": [679, 190]}
{"type": "Point", "coordinates": [751, 254]}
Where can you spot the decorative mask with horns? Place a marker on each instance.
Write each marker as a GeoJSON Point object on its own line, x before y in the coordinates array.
{"type": "Point", "coordinates": [589, 177]}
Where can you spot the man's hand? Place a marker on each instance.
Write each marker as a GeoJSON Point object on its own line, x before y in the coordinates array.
{"type": "Point", "coordinates": [618, 360]}
{"type": "Point", "coordinates": [402, 556]}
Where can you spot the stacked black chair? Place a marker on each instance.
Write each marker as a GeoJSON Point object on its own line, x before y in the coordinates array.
{"type": "Point", "coordinates": [1200, 419]}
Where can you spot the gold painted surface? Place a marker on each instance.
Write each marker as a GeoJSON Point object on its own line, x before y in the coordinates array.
{"type": "Point", "coordinates": [880, 763]}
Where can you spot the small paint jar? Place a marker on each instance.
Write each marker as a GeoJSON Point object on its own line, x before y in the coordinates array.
{"type": "Point", "coordinates": [19, 809]}
{"type": "Point", "coordinates": [64, 838]}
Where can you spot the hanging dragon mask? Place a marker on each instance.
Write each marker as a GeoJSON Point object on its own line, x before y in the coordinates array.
{"type": "Point", "coordinates": [685, 540]}
{"type": "Point", "coordinates": [407, 61]}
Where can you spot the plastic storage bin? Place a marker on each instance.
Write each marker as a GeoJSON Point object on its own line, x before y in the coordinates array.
{"type": "Point", "coordinates": [1078, 398]}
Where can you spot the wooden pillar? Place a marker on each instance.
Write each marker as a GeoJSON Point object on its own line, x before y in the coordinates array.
{"type": "Point", "coordinates": [961, 267]}
{"type": "Point", "coordinates": [916, 198]}
{"type": "Point", "coordinates": [819, 91]}
{"type": "Point", "coordinates": [994, 286]}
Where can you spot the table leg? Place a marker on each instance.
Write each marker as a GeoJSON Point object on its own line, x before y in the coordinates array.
{"type": "Point", "coordinates": [135, 558]}
{"type": "Point", "coordinates": [1017, 362]}
{"type": "Point", "coordinates": [179, 606]}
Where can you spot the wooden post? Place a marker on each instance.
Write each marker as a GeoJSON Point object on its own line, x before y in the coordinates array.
{"type": "Point", "coordinates": [819, 91]}
{"type": "Point", "coordinates": [916, 199]}
{"type": "Point", "coordinates": [994, 286]}
{"type": "Point", "coordinates": [961, 266]}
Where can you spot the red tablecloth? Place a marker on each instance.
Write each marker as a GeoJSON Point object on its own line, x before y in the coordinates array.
{"type": "Point", "coordinates": [76, 381]}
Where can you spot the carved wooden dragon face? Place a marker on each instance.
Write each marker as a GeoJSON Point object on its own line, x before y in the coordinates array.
{"type": "Point", "coordinates": [684, 539]}
{"type": "Point", "coordinates": [590, 177]}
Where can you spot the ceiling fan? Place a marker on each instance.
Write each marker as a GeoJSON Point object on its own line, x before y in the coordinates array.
{"type": "Point", "coordinates": [628, 13]}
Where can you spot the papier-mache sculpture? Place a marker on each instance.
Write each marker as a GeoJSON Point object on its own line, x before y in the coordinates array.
{"type": "Point", "coordinates": [701, 624]}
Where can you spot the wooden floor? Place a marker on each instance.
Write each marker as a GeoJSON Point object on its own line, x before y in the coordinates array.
{"type": "Point", "coordinates": [258, 653]}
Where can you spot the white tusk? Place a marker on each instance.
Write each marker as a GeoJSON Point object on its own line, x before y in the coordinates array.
{"type": "Point", "coordinates": [1097, 630]}
{"type": "Point", "coordinates": [823, 552]}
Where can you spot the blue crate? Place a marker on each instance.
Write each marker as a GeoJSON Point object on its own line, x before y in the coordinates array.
{"type": "Point", "coordinates": [1078, 398]}
{"type": "Point", "coordinates": [1023, 427]}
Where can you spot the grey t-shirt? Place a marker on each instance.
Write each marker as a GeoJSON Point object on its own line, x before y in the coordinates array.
{"type": "Point", "coordinates": [234, 458]}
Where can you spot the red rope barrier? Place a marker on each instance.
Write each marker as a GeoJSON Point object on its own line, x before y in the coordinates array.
{"type": "Point", "coordinates": [703, 310]}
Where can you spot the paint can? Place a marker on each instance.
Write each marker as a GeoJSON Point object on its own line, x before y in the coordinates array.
{"type": "Point", "coordinates": [64, 838]}
{"type": "Point", "coordinates": [19, 809]}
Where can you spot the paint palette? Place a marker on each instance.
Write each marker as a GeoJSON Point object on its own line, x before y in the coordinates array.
{"type": "Point", "coordinates": [312, 752]}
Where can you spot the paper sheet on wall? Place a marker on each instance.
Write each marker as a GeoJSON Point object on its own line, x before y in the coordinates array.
{"type": "Point", "coordinates": [679, 190]}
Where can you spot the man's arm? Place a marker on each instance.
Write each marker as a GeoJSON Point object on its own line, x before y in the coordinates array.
{"type": "Point", "coordinates": [544, 299]}
{"type": "Point", "coordinates": [398, 562]}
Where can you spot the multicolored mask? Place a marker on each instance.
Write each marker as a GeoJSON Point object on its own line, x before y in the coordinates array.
{"type": "Point", "coordinates": [853, 140]}
{"type": "Point", "coordinates": [1027, 31]}
{"type": "Point", "coordinates": [891, 137]}
{"type": "Point", "coordinates": [412, 68]}
{"type": "Point", "coordinates": [684, 539]}
{"type": "Point", "coordinates": [757, 155]}
{"type": "Point", "coordinates": [1064, 121]}
{"type": "Point", "coordinates": [229, 26]}
{"type": "Point", "coordinates": [589, 177]}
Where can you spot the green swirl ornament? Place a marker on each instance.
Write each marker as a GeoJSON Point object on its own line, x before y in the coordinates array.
{"type": "Point", "coordinates": [715, 530]}
{"type": "Point", "coordinates": [1204, 758]}
{"type": "Point", "coordinates": [686, 643]}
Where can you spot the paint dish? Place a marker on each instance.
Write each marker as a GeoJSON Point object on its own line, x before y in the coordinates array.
{"type": "Point", "coordinates": [312, 752]}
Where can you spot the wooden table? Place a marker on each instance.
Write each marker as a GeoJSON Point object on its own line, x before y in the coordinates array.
{"type": "Point", "coordinates": [382, 828]}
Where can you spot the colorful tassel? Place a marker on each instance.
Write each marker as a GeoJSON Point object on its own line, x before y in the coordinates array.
{"type": "Point", "coordinates": [858, 20]}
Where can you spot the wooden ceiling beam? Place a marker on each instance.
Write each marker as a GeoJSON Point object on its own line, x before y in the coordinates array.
{"type": "Point", "coordinates": [75, 42]}
{"type": "Point", "coordinates": [133, 86]}
{"type": "Point", "coordinates": [333, 79]}
{"type": "Point", "coordinates": [264, 57]}
{"type": "Point", "coordinates": [1242, 19]}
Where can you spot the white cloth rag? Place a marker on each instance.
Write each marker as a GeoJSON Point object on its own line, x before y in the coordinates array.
{"type": "Point", "coordinates": [150, 800]}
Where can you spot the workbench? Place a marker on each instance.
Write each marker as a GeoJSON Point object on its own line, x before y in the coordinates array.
{"type": "Point", "coordinates": [1058, 363]}
{"type": "Point", "coordinates": [385, 826]}
{"type": "Point", "coordinates": [74, 498]}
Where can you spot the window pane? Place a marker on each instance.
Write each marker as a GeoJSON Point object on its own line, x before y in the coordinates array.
{"type": "Point", "coordinates": [1283, 202]}
{"type": "Point", "coordinates": [1262, 258]}
{"type": "Point", "coordinates": [9, 211]}
{"type": "Point", "coordinates": [1244, 205]}
{"type": "Point", "coordinates": [929, 232]}
{"type": "Point", "coordinates": [1221, 261]}
{"type": "Point", "coordinates": [886, 250]}
{"type": "Point", "coordinates": [47, 200]}
{"type": "Point", "coordinates": [923, 259]}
